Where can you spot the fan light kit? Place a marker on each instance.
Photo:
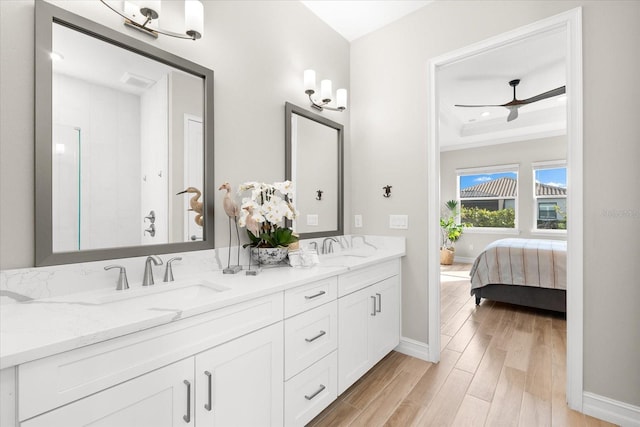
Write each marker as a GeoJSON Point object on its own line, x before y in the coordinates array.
{"type": "Point", "coordinates": [516, 103]}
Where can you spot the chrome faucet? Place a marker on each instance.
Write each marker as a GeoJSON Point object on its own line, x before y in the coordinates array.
{"type": "Point", "coordinates": [123, 283]}
{"type": "Point", "coordinates": [315, 246]}
{"type": "Point", "coordinates": [329, 249]}
{"type": "Point", "coordinates": [147, 279]}
{"type": "Point", "coordinates": [168, 272]}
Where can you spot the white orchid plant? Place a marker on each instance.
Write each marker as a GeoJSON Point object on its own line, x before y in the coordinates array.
{"type": "Point", "coordinates": [264, 214]}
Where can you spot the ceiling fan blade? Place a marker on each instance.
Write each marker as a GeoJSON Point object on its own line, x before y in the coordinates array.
{"type": "Point", "coordinates": [549, 94]}
{"type": "Point", "coordinates": [460, 105]}
{"type": "Point", "coordinates": [513, 114]}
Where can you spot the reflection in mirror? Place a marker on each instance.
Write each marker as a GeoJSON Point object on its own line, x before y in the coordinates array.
{"type": "Point", "coordinates": [124, 141]}
{"type": "Point", "coordinates": [314, 147]}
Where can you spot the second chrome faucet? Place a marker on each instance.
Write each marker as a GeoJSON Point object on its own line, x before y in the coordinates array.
{"type": "Point", "coordinates": [147, 279]}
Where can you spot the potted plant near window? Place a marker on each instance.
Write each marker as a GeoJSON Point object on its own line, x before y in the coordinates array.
{"type": "Point", "coordinates": [450, 231]}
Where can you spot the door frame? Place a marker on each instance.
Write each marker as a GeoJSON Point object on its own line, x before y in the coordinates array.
{"type": "Point", "coordinates": [571, 22]}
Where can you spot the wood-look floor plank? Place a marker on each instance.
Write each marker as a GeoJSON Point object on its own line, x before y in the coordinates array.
{"type": "Point", "coordinates": [339, 413]}
{"type": "Point", "coordinates": [491, 321]}
{"type": "Point", "coordinates": [367, 388]}
{"type": "Point", "coordinates": [507, 401]}
{"type": "Point", "coordinates": [486, 378]}
{"type": "Point", "coordinates": [429, 384]}
{"type": "Point", "coordinates": [386, 402]}
{"type": "Point", "coordinates": [470, 359]}
{"type": "Point", "coordinates": [535, 411]}
{"type": "Point", "coordinates": [444, 407]}
{"type": "Point", "coordinates": [460, 341]}
{"type": "Point", "coordinates": [539, 369]}
{"type": "Point", "coordinates": [504, 329]}
{"type": "Point", "coordinates": [455, 323]}
{"type": "Point", "coordinates": [519, 350]}
{"type": "Point", "coordinates": [405, 414]}
{"type": "Point", "coordinates": [472, 413]}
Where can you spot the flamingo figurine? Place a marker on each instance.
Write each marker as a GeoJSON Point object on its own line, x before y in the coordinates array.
{"type": "Point", "coordinates": [196, 205]}
{"type": "Point", "coordinates": [254, 227]}
{"type": "Point", "coordinates": [233, 211]}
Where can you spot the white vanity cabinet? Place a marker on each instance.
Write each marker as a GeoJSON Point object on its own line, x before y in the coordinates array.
{"type": "Point", "coordinates": [161, 398]}
{"type": "Point", "coordinates": [240, 383]}
{"type": "Point", "coordinates": [369, 320]}
{"type": "Point", "coordinates": [311, 341]}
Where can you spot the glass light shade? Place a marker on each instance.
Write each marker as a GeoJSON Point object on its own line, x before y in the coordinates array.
{"type": "Point", "coordinates": [309, 80]}
{"type": "Point", "coordinates": [341, 98]}
{"type": "Point", "coordinates": [194, 16]}
{"type": "Point", "coordinates": [325, 90]}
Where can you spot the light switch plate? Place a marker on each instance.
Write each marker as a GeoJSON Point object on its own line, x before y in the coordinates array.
{"type": "Point", "coordinates": [400, 222]}
{"type": "Point", "coordinates": [357, 221]}
{"type": "Point", "coordinates": [312, 219]}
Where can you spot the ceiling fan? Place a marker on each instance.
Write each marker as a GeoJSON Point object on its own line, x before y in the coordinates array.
{"type": "Point", "coordinates": [515, 103]}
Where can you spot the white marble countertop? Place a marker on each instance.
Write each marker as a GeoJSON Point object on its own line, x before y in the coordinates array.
{"type": "Point", "coordinates": [43, 327]}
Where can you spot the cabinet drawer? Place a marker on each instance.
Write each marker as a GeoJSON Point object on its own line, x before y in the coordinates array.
{"type": "Point", "coordinates": [47, 383]}
{"type": "Point", "coordinates": [312, 295]}
{"type": "Point", "coordinates": [310, 336]}
{"type": "Point", "coordinates": [312, 390]}
{"type": "Point", "coordinates": [358, 279]}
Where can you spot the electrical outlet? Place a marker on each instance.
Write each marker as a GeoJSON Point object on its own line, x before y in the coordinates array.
{"type": "Point", "coordinates": [312, 219]}
{"type": "Point", "coordinates": [400, 222]}
{"type": "Point", "coordinates": [357, 221]}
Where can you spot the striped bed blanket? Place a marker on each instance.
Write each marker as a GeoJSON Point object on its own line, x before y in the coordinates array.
{"type": "Point", "coordinates": [524, 262]}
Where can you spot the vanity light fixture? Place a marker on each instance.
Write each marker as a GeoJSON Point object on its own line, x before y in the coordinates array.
{"type": "Point", "coordinates": [141, 13]}
{"type": "Point", "coordinates": [325, 93]}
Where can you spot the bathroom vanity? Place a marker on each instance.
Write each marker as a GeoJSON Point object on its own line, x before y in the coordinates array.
{"type": "Point", "coordinates": [272, 349]}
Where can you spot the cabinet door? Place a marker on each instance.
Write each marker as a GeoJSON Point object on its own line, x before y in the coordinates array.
{"type": "Point", "coordinates": [386, 323]}
{"type": "Point", "coordinates": [354, 336]}
{"type": "Point", "coordinates": [240, 383]}
{"type": "Point", "coordinates": [156, 399]}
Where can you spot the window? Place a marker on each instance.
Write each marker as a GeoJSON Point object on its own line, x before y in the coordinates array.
{"type": "Point", "coordinates": [550, 194]}
{"type": "Point", "coordinates": [489, 196]}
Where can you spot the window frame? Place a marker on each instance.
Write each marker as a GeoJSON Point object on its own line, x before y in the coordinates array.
{"type": "Point", "coordinates": [536, 166]}
{"type": "Point", "coordinates": [511, 168]}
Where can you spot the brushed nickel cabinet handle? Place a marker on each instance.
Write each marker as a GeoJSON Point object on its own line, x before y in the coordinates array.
{"type": "Point", "coordinates": [379, 302]}
{"type": "Point", "coordinates": [207, 405]}
{"type": "Point", "coordinates": [314, 295]}
{"type": "Point", "coordinates": [316, 337]}
{"type": "Point", "coordinates": [315, 393]}
{"type": "Point", "coordinates": [187, 418]}
{"type": "Point", "coordinates": [373, 313]}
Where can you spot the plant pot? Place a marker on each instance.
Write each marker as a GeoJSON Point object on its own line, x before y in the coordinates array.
{"type": "Point", "coordinates": [269, 256]}
{"type": "Point", "coordinates": [446, 256]}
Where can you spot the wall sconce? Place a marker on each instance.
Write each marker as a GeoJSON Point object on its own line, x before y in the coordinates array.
{"type": "Point", "coordinates": [139, 14]}
{"type": "Point", "coordinates": [325, 93]}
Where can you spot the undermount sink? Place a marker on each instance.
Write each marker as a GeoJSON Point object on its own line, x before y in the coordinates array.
{"type": "Point", "coordinates": [172, 292]}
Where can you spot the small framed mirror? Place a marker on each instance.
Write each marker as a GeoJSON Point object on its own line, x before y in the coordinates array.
{"type": "Point", "coordinates": [314, 148]}
{"type": "Point", "coordinates": [124, 145]}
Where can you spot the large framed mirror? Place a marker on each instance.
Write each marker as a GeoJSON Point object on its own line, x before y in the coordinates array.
{"type": "Point", "coordinates": [314, 148]}
{"type": "Point", "coordinates": [123, 148]}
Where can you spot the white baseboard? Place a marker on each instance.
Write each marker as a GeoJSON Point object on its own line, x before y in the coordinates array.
{"type": "Point", "coordinates": [623, 414]}
{"type": "Point", "coordinates": [414, 348]}
{"type": "Point", "coordinates": [463, 259]}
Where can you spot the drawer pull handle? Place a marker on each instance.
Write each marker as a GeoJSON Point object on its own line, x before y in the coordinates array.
{"type": "Point", "coordinates": [373, 313]}
{"type": "Point", "coordinates": [314, 295]}
{"type": "Point", "coordinates": [316, 337]}
{"type": "Point", "coordinates": [187, 418]}
{"type": "Point", "coordinates": [315, 393]}
{"type": "Point", "coordinates": [379, 302]}
{"type": "Point", "coordinates": [207, 405]}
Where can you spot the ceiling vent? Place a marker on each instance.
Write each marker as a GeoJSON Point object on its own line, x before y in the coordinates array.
{"type": "Point", "coordinates": [136, 81]}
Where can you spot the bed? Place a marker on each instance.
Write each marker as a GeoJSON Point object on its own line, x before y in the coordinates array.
{"type": "Point", "coordinates": [528, 272]}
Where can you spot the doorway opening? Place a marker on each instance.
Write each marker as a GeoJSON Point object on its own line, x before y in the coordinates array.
{"type": "Point", "coordinates": [569, 24]}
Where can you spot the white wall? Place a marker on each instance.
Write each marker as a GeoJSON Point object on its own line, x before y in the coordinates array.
{"type": "Point", "coordinates": [258, 51]}
{"type": "Point", "coordinates": [522, 153]}
{"type": "Point", "coordinates": [389, 88]}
